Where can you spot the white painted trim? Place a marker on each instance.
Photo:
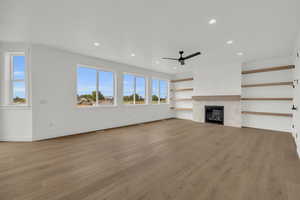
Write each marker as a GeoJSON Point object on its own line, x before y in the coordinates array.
{"type": "Point", "coordinates": [15, 139]}
{"type": "Point", "coordinates": [15, 107]}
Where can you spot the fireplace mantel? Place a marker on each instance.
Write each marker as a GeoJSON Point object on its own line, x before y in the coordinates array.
{"type": "Point", "coordinates": [217, 98]}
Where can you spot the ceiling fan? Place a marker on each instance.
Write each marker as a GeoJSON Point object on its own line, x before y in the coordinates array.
{"type": "Point", "coordinates": [182, 59]}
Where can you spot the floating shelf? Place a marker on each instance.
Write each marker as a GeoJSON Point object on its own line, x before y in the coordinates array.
{"type": "Point", "coordinates": [182, 89]}
{"type": "Point", "coordinates": [182, 99]}
{"type": "Point", "coordinates": [267, 99]}
{"type": "Point", "coordinates": [268, 84]}
{"type": "Point", "coordinates": [218, 98]}
{"type": "Point", "coordinates": [182, 109]}
{"type": "Point", "coordinates": [268, 114]}
{"type": "Point", "coordinates": [279, 68]}
{"type": "Point", "coordinates": [182, 80]}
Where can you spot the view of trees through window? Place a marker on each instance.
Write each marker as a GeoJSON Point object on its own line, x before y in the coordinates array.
{"type": "Point", "coordinates": [106, 87]}
{"type": "Point", "coordinates": [155, 91]}
{"type": "Point", "coordinates": [88, 94]}
{"type": "Point", "coordinates": [18, 79]}
{"type": "Point", "coordinates": [134, 89]}
{"type": "Point", "coordinates": [159, 91]}
{"type": "Point", "coordinates": [97, 87]}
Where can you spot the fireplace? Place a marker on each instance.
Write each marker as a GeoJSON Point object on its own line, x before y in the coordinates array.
{"type": "Point", "coordinates": [214, 114]}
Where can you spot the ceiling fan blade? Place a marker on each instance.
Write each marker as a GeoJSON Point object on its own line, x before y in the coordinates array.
{"type": "Point", "coordinates": [170, 58]}
{"type": "Point", "coordinates": [192, 55]}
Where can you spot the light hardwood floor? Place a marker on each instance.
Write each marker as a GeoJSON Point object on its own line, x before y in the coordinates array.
{"type": "Point", "coordinates": [171, 159]}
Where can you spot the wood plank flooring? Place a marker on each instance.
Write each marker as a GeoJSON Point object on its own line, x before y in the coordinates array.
{"type": "Point", "coordinates": [170, 159]}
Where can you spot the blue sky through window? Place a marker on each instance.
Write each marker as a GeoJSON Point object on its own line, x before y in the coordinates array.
{"type": "Point", "coordinates": [19, 89]}
{"type": "Point", "coordinates": [19, 74]}
{"type": "Point", "coordinates": [19, 67]}
{"type": "Point", "coordinates": [106, 83]}
{"type": "Point", "coordinates": [140, 86]}
{"type": "Point", "coordinates": [86, 80]}
{"type": "Point", "coordinates": [163, 89]}
{"type": "Point", "coordinates": [155, 87]}
{"type": "Point", "coordinates": [128, 84]}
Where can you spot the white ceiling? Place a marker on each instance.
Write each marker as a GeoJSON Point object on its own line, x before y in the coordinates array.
{"type": "Point", "coordinates": [156, 28]}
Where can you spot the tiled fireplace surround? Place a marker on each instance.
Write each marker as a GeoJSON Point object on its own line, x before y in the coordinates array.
{"type": "Point", "coordinates": [231, 103]}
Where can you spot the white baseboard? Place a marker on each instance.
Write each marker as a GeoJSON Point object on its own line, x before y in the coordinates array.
{"type": "Point", "coordinates": [12, 139]}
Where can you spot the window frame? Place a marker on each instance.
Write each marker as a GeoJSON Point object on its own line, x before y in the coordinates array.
{"type": "Point", "coordinates": [134, 87]}
{"type": "Point", "coordinates": [103, 69]}
{"type": "Point", "coordinates": [10, 66]}
{"type": "Point", "coordinates": [168, 90]}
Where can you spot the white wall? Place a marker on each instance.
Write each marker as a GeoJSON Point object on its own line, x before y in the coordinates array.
{"type": "Point", "coordinates": [217, 79]}
{"type": "Point", "coordinates": [296, 118]}
{"type": "Point", "coordinates": [267, 122]}
{"type": "Point", "coordinates": [15, 124]}
{"type": "Point", "coordinates": [54, 96]}
{"type": "Point", "coordinates": [15, 121]}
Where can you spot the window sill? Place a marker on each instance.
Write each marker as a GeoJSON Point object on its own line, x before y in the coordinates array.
{"type": "Point", "coordinates": [99, 106]}
{"type": "Point", "coordinates": [160, 104]}
{"type": "Point", "coordinates": [145, 104]}
{"type": "Point", "coordinates": [15, 107]}
{"type": "Point", "coordinates": [148, 104]}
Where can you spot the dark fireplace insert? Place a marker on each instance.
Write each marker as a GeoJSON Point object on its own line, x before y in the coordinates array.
{"type": "Point", "coordinates": [214, 114]}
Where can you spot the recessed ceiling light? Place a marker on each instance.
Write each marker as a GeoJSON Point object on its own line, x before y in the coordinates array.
{"type": "Point", "coordinates": [174, 67]}
{"type": "Point", "coordinates": [229, 42]}
{"type": "Point", "coordinates": [240, 53]}
{"type": "Point", "coordinates": [212, 21]}
{"type": "Point", "coordinates": [132, 54]}
{"type": "Point", "coordinates": [96, 44]}
{"type": "Point", "coordinates": [157, 62]}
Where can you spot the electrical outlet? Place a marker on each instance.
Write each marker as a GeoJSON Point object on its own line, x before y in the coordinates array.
{"type": "Point", "coordinates": [51, 124]}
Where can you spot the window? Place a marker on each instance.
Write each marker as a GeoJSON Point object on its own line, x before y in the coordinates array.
{"type": "Point", "coordinates": [94, 87]}
{"type": "Point", "coordinates": [163, 91]}
{"type": "Point", "coordinates": [106, 88]}
{"type": "Point", "coordinates": [18, 91]}
{"type": "Point", "coordinates": [155, 91]}
{"type": "Point", "coordinates": [159, 91]}
{"type": "Point", "coordinates": [134, 89]}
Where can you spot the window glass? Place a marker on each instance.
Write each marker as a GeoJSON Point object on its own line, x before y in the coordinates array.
{"type": "Point", "coordinates": [86, 86]}
{"type": "Point", "coordinates": [163, 90]}
{"type": "Point", "coordinates": [17, 82]}
{"type": "Point", "coordinates": [140, 90]}
{"type": "Point", "coordinates": [19, 95]}
{"type": "Point", "coordinates": [18, 67]}
{"type": "Point", "coordinates": [155, 95]}
{"type": "Point", "coordinates": [159, 91]}
{"type": "Point", "coordinates": [106, 87]}
{"type": "Point", "coordinates": [128, 89]}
